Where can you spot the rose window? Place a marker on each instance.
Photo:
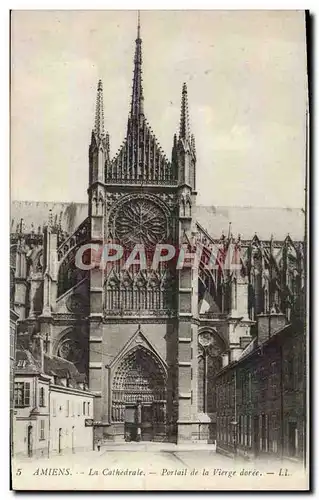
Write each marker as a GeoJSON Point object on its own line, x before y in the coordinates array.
{"type": "Point", "coordinates": [140, 221]}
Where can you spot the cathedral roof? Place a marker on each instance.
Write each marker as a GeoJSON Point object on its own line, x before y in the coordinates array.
{"type": "Point", "coordinates": [246, 221]}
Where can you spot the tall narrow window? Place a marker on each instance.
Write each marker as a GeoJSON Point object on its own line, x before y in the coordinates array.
{"type": "Point", "coordinates": [42, 430]}
{"type": "Point", "coordinates": [27, 394]}
{"type": "Point", "coordinates": [245, 430]}
{"type": "Point", "coordinates": [88, 409]}
{"type": "Point", "coordinates": [54, 407]}
{"type": "Point", "coordinates": [249, 387]}
{"type": "Point", "coordinates": [19, 394]}
{"type": "Point", "coordinates": [249, 430]}
{"type": "Point", "coordinates": [41, 397]}
{"type": "Point", "coordinates": [84, 408]}
{"type": "Point", "coordinates": [67, 408]}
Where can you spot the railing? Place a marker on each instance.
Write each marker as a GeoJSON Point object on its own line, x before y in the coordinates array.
{"type": "Point", "coordinates": [79, 236]}
{"type": "Point", "coordinates": [141, 182]}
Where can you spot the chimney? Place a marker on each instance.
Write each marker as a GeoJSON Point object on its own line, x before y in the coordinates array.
{"type": "Point", "coordinates": [268, 325]}
{"type": "Point", "coordinates": [235, 354]}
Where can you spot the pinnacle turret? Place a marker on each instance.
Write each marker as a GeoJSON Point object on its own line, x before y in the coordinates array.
{"type": "Point", "coordinates": [184, 132]}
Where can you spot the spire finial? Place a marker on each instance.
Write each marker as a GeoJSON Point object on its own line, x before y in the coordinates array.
{"type": "Point", "coordinates": [137, 107]}
{"type": "Point", "coordinates": [184, 121]}
{"type": "Point", "coordinates": [99, 111]}
{"type": "Point", "coordinates": [50, 219]}
{"type": "Point", "coordinates": [138, 25]}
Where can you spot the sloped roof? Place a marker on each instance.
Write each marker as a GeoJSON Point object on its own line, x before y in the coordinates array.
{"type": "Point", "coordinates": [25, 362]}
{"type": "Point", "coordinates": [37, 213]}
{"type": "Point", "coordinates": [53, 365]}
{"type": "Point", "coordinates": [245, 221]}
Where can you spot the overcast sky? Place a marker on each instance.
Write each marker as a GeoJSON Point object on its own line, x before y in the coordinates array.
{"type": "Point", "coordinates": [246, 76]}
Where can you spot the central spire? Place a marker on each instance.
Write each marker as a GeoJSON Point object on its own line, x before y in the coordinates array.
{"type": "Point", "coordinates": [137, 104]}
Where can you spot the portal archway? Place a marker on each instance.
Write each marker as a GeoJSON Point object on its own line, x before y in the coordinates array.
{"type": "Point", "coordinates": [139, 394]}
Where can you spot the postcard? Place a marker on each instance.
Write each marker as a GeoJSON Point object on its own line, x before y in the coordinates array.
{"type": "Point", "coordinates": [158, 276]}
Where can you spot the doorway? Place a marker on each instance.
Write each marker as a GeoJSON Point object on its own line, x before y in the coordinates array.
{"type": "Point", "coordinates": [256, 435]}
{"type": "Point", "coordinates": [139, 422]}
{"type": "Point", "coordinates": [292, 431]}
{"type": "Point", "coordinates": [130, 425]}
{"type": "Point", "coordinates": [29, 440]}
{"type": "Point", "coordinates": [147, 419]}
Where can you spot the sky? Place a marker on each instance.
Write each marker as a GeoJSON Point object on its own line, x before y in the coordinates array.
{"type": "Point", "coordinates": [246, 77]}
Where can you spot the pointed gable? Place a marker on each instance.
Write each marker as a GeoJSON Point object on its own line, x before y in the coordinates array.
{"type": "Point", "coordinates": [140, 159]}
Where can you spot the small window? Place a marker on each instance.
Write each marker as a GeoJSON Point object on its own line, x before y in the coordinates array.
{"type": "Point", "coordinates": [41, 397]}
{"type": "Point", "coordinates": [79, 409]}
{"type": "Point", "coordinates": [22, 394]}
{"type": "Point", "coordinates": [42, 430]}
{"type": "Point", "coordinates": [19, 394]}
{"type": "Point", "coordinates": [84, 408]}
{"type": "Point", "coordinates": [88, 409]}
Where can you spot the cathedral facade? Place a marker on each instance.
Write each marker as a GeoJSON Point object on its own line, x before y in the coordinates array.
{"type": "Point", "coordinates": [148, 339]}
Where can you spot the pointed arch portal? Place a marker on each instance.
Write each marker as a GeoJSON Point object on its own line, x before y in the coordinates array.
{"type": "Point", "coordinates": [139, 394]}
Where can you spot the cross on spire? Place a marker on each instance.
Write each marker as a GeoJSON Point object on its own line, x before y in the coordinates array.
{"type": "Point", "coordinates": [138, 25]}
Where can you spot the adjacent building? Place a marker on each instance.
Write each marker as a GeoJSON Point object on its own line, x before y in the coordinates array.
{"type": "Point", "coordinates": [260, 397]}
{"type": "Point", "coordinates": [53, 408]}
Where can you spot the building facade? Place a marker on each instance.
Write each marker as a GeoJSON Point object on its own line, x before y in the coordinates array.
{"type": "Point", "coordinates": [52, 405]}
{"type": "Point", "coordinates": [71, 412]}
{"type": "Point", "coordinates": [150, 340]}
{"type": "Point", "coordinates": [260, 399]}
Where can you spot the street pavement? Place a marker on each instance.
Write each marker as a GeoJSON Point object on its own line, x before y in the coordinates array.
{"type": "Point", "coordinates": [151, 466]}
